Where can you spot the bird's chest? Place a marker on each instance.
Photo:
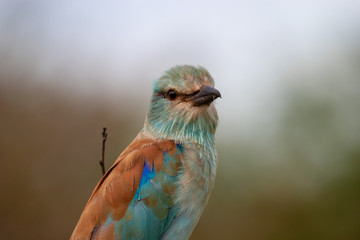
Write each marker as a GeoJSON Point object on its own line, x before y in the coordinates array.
{"type": "Point", "coordinates": [195, 182]}
{"type": "Point", "coordinates": [194, 185]}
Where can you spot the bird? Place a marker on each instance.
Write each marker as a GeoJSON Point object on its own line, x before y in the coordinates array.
{"type": "Point", "coordinates": [160, 184]}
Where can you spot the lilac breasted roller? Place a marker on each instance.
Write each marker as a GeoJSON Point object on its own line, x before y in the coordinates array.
{"type": "Point", "coordinates": [160, 184]}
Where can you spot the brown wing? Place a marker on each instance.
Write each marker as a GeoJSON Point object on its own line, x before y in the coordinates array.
{"type": "Point", "coordinates": [118, 186]}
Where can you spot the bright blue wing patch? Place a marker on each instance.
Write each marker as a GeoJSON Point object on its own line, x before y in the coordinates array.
{"type": "Point", "coordinates": [152, 209]}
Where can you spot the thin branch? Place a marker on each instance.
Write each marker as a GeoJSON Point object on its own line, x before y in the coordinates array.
{"type": "Point", "coordinates": [102, 160]}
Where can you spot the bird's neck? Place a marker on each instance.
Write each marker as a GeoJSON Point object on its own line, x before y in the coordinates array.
{"type": "Point", "coordinates": [184, 125]}
{"type": "Point", "coordinates": [196, 134]}
{"type": "Point", "coordinates": [195, 131]}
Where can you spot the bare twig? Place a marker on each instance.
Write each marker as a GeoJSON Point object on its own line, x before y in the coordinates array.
{"type": "Point", "coordinates": [102, 160]}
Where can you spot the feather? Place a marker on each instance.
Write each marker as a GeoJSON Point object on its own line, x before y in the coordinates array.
{"type": "Point", "coordinates": [117, 188]}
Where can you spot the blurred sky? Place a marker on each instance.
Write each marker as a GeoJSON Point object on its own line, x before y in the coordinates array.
{"type": "Point", "coordinates": [116, 48]}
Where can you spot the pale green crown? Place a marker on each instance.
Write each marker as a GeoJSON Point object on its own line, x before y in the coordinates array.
{"type": "Point", "coordinates": [179, 120]}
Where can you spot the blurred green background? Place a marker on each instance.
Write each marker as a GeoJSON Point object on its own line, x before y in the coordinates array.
{"type": "Point", "coordinates": [289, 135]}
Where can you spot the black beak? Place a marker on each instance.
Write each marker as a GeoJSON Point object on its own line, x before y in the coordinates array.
{"type": "Point", "coordinates": [204, 96]}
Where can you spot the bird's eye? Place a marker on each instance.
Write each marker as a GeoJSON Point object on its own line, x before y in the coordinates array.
{"type": "Point", "coordinates": [171, 95]}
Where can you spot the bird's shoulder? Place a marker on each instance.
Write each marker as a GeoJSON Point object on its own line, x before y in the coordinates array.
{"type": "Point", "coordinates": [141, 183]}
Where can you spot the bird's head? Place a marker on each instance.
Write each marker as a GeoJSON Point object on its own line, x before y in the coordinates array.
{"type": "Point", "coordinates": [182, 106]}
